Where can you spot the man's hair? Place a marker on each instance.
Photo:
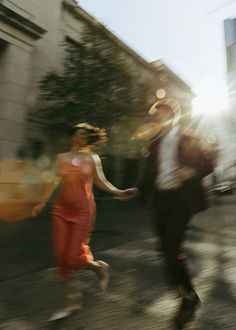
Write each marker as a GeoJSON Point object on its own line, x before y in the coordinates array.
{"type": "Point", "coordinates": [165, 106]}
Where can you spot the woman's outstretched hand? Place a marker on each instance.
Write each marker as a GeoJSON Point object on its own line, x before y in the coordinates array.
{"type": "Point", "coordinates": [126, 194]}
{"type": "Point", "coordinates": [37, 209]}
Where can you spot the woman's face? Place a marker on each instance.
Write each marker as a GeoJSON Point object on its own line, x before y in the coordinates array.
{"type": "Point", "coordinates": [80, 138]}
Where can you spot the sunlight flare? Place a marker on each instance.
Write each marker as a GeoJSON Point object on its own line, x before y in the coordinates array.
{"type": "Point", "coordinates": [211, 99]}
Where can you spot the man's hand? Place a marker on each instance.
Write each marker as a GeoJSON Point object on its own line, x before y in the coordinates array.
{"type": "Point", "coordinates": [185, 173]}
{"type": "Point", "coordinates": [127, 194]}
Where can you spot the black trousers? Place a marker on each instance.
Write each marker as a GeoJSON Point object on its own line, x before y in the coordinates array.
{"type": "Point", "coordinates": [171, 218]}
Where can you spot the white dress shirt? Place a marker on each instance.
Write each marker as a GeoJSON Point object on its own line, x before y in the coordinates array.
{"type": "Point", "coordinates": [168, 177]}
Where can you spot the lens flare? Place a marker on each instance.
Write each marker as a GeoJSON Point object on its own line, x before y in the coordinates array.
{"type": "Point", "coordinates": [23, 186]}
{"type": "Point", "coordinates": [147, 131]}
{"type": "Point", "coordinates": [211, 99]}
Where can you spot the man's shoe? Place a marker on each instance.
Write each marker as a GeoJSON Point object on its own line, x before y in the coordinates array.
{"type": "Point", "coordinates": [187, 310]}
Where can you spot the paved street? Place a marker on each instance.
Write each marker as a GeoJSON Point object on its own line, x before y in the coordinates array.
{"type": "Point", "coordinates": [138, 296]}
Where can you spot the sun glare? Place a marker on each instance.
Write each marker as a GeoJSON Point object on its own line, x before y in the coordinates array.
{"type": "Point", "coordinates": [210, 100]}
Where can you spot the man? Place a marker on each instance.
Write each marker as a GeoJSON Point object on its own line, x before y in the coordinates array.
{"type": "Point", "coordinates": [175, 166]}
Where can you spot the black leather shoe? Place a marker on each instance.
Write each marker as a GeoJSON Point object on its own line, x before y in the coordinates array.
{"type": "Point", "coordinates": [187, 310]}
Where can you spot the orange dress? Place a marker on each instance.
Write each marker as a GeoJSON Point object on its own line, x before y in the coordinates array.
{"type": "Point", "coordinates": [73, 216]}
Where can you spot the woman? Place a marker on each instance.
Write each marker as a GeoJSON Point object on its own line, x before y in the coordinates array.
{"type": "Point", "coordinates": [74, 210]}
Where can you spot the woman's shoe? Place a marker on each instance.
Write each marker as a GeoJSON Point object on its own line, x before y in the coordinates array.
{"type": "Point", "coordinates": [104, 280]}
{"type": "Point", "coordinates": [59, 315]}
{"type": "Point", "coordinates": [64, 313]}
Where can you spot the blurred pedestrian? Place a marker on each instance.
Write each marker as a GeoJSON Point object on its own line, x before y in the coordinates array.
{"type": "Point", "coordinates": [74, 210]}
{"type": "Point", "coordinates": [175, 167]}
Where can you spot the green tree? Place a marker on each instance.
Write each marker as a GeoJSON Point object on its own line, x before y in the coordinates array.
{"type": "Point", "coordinates": [95, 85]}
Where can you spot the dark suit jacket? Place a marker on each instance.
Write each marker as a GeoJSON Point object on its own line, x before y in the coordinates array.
{"type": "Point", "coordinates": [189, 154]}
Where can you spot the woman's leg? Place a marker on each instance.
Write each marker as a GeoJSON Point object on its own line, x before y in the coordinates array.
{"type": "Point", "coordinates": [61, 238]}
{"type": "Point", "coordinates": [79, 255]}
{"type": "Point", "coordinates": [61, 230]}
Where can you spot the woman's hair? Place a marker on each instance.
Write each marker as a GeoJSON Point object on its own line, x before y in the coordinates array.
{"type": "Point", "coordinates": [95, 134]}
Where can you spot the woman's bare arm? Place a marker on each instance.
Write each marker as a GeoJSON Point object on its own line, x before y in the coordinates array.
{"type": "Point", "coordinates": [102, 182]}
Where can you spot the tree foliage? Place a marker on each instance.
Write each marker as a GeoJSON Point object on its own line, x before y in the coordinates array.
{"type": "Point", "coordinates": [96, 85]}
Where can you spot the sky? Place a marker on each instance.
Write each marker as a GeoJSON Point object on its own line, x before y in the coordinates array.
{"type": "Point", "coordinates": [187, 35]}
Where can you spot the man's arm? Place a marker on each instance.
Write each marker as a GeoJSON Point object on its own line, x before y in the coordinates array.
{"type": "Point", "coordinates": [197, 158]}
{"type": "Point", "coordinates": [206, 166]}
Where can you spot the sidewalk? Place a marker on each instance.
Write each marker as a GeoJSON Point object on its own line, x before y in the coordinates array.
{"type": "Point", "coordinates": [138, 296]}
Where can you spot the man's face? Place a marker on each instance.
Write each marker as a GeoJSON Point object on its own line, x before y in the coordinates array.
{"type": "Point", "coordinates": [163, 115]}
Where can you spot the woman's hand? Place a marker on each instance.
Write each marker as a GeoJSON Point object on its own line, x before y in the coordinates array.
{"type": "Point", "coordinates": [37, 209]}
{"type": "Point", "coordinates": [127, 194]}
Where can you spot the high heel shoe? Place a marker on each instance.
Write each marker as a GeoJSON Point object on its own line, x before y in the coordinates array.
{"type": "Point", "coordinates": [64, 312]}
{"type": "Point", "coordinates": [104, 281]}
{"type": "Point", "coordinates": [59, 315]}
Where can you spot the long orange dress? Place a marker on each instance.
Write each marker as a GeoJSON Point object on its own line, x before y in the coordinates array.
{"type": "Point", "coordinates": [73, 216]}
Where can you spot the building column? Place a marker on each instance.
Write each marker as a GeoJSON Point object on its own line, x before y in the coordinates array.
{"type": "Point", "coordinates": [15, 64]}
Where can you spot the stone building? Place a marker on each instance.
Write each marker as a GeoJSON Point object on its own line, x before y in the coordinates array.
{"type": "Point", "coordinates": [230, 46]}
{"type": "Point", "coordinates": [33, 35]}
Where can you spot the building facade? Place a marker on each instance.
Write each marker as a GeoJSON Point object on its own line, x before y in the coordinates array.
{"type": "Point", "coordinates": [229, 150]}
{"type": "Point", "coordinates": [230, 44]}
{"type": "Point", "coordinates": [32, 40]}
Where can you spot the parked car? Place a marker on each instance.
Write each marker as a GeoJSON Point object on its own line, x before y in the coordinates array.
{"type": "Point", "coordinates": [222, 188]}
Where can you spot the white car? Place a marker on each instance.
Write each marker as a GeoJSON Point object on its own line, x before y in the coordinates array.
{"type": "Point", "coordinates": [223, 188]}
